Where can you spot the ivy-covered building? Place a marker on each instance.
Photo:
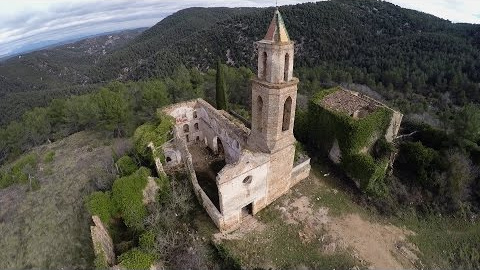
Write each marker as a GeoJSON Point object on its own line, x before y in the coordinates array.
{"type": "Point", "coordinates": [356, 132]}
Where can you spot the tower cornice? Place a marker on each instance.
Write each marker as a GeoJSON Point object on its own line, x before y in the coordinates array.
{"type": "Point", "coordinates": [294, 81]}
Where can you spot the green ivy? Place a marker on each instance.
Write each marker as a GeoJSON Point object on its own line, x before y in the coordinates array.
{"type": "Point", "coordinates": [137, 259]}
{"type": "Point", "coordinates": [101, 204]}
{"type": "Point", "coordinates": [353, 135]}
{"type": "Point", "coordinates": [128, 197]}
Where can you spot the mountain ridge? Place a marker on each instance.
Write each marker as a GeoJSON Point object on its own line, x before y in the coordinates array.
{"type": "Point", "coordinates": [368, 42]}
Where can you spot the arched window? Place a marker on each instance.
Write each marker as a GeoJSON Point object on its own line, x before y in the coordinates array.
{"type": "Point", "coordinates": [195, 114]}
{"type": "Point", "coordinates": [168, 159]}
{"type": "Point", "coordinates": [186, 128]}
{"type": "Point", "coordinates": [264, 71]}
{"type": "Point", "coordinates": [247, 180]}
{"type": "Point", "coordinates": [195, 126]}
{"type": "Point", "coordinates": [259, 113]}
{"type": "Point", "coordinates": [286, 68]}
{"type": "Point", "coordinates": [287, 114]}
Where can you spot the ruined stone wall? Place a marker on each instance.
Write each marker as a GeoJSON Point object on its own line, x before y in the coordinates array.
{"type": "Point", "coordinates": [198, 121]}
{"type": "Point", "coordinates": [220, 221]}
{"type": "Point", "coordinates": [102, 242]}
{"type": "Point", "coordinates": [216, 126]}
{"type": "Point", "coordinates": [394, 126]}
{"type": "Point", "coordinates": [156, 159]}
{"type": "Point", "coordinates": [173, 157]}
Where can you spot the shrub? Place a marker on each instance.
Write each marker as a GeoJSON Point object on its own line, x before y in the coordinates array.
{"type": "Point", "coordinates": [147, 240]}
{"type": "Point", "coordinates": [101, 204]}
{"type": "Point", "coordinates": [164, 188]}
{"type": "Point", "coordinates": [126, 165]}
{"type": "Point", "coordinates": [418, 159]}
{"type": "Point", "coordinates": [158, 134]}
{"type": "Point", "coordinates": [20, 171]}
{"type": "Point", "coordinates": [137, 259]}
{"type": "Point", "coordinates": [128, 197]}
{"type": "Point", "coordinates": [49, 157]}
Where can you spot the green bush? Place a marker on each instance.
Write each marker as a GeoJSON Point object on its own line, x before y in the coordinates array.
{"type": "Point", "coordinates": [419, 160]}
{"type": "Point", "coordinates": [158, 134]}
{"type": "Point", "coordinates": [147, 240]}
{"type": "Point", "coordinates": [100, 204]}
{"type": "Point", "coordinates": [49, 156]}
{"type": "Point", "coordinates": [127, 194]}
{"type": "Point", "coordinates": [137, 259]}
{"type": "Point", "coordinates": [19, 171]}
{"type": "Point", "coordinates": [126, 165]}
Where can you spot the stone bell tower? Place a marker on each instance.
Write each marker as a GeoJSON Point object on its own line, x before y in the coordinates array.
{"type": "Point", "coordinates": [274, 91]}
{"type": "Point", "coordinates": [274, 95]}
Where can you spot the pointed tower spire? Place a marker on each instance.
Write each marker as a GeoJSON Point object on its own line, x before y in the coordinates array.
{"type": "Point", "coordinates": [277, 33]}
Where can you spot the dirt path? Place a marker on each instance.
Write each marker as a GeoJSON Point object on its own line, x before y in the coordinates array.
{"type": "Point", "coordinates": [382, 246]}
{"type": "Point", "coordinates": [377, 245]}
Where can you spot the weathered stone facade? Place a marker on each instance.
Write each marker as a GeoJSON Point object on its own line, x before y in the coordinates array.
{"type": "Point", "coordinates": [259, 162]}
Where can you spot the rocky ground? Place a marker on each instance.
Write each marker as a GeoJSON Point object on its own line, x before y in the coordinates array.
{"type": "Point", "coordinates": [322, 228]}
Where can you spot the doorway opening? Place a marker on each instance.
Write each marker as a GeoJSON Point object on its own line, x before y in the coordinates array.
{"type": "Point", "coordinates": [247, 210]}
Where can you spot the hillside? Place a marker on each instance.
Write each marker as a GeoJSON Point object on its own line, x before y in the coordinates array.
{"type": "Point", "coordinates": [48, 227]}
{"type": "Point", "coordinates": [393, 50]}
{"type": "Point", "coordinates": [35, 78]}
{"type": "Point", "coordinates": [371, 40]}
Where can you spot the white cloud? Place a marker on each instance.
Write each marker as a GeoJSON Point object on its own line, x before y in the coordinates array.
{"type": "Point", "coordinates": [28, 21]}
{"type": "Point", "coordinates": [467, 11]}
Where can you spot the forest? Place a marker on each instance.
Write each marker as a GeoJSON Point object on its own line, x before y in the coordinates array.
{"type": "Point", "coordinates": [417, 60]}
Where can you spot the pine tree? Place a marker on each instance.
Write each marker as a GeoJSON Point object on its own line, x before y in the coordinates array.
{"type": "Point", "coordinates": [221, 88]}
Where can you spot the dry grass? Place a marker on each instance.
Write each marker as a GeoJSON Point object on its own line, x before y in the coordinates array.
{"type": "Point", "coordinates": [49, 227]}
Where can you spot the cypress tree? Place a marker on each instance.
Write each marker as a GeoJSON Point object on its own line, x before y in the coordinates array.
{"type": "Point", "coordinates": [221, 88]}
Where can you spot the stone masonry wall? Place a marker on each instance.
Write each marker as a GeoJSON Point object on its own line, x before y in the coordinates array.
{"type": "Point", "coordinates": [102, 242]}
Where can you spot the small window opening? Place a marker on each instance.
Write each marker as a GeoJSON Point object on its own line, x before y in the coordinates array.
{"type": "Point", "coordinates": [247, 180]}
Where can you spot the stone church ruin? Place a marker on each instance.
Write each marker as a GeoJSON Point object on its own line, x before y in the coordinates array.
{"type": "Point", "coordinates": [236, 171]}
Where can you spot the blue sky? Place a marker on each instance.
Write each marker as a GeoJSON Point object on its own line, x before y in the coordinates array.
{"type": "Point", "coordinates": [29, 21]}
